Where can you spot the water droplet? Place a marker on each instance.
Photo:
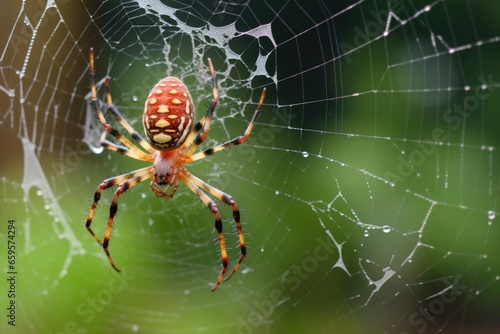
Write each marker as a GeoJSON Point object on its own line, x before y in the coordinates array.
{"type": "Point", "coordinates": [492, 214]}
{"type": "Point", "coordinates": [366, 233]}
{"type": "Point", "coordinates": [386, 229]}
{"type": "Point", "coordinates": [135, 98]}
{"type": "Point", "coordinates": [95, 149]}
{"type": "Point", "coordinates": [39, 193]}
{"type": "Point", "coordinates": [276, 192]}
{"type": "Point", "coordinates": [143, 195]}
{"type": "Point", "coordinates": [305, 154]}
{"type": "Point", "coordinates": [135, 328]}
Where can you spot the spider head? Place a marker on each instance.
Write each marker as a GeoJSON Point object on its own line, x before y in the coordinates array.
{"type": "Point", "coordinates": [164, 179]}
{"type": "Point", "coordinates": [165, 168]}
{"type": "Point", "coordinates": [168, 114]}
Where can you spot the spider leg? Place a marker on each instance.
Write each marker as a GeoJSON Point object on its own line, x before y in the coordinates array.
{"type": "Point", "coordinates": [135, 135]}
{"type": "Point", "coordinates": [236, 141]}
{"type": "Point", "coordinates": [108, 183]}
{"type": "Point", "coordinates": [118, 148]}
{"type": "Point", "coordinates": [187, 179]}
{"type": "Point", "coordinates": [236, 215]}
{"type": "Point", "coordinates": [193, 142]}
{"type": "Point", "coordinates": [143, 174]}
{"type": "Point", "coordinates": [109, 129]}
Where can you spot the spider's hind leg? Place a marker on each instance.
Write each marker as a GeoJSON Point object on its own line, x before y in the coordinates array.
{"type": "Point", "coordinates": [199, 187]}
{"type": "Point", "coordinates": [124, 182]}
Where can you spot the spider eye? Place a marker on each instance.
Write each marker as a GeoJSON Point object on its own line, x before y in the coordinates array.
{"type": "Point", "coordinates": [168, 114]}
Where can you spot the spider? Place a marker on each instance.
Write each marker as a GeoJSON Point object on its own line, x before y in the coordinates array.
{"type": "Point", "coordinates": [171, 141]}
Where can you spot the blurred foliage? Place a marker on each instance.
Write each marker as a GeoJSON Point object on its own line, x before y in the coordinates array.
{"type": "Point", "coordinates": [318, 164]}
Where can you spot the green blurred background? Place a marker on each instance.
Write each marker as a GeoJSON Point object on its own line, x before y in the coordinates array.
{"type": "Point", "coordinates": [368, 190]}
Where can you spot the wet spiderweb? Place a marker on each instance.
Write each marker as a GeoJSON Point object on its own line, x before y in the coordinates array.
{"type": "Point", "coordinates": [368, 189]}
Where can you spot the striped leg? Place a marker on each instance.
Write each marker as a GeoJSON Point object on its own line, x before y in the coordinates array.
{"type": "Point", "coordinates": [118, 148]}
{"type": "Point", "coordinates": [109, 129]}
{"type": "Point", "coordinates": [236, 141]}
{"type": "Point", "coordinates": [236, 216]}
{"type": "Point", "coordinates": [135, 135]}
{"type": "Point", "coordinates": [218, 222]}
{"type": "Point", "coordinates": [193, 142]}
{"type": "Point", "coordinates": [125, 181]}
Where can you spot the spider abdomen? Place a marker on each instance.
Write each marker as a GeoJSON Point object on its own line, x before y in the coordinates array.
{"type": "Point", "coordinates": [168, 114]}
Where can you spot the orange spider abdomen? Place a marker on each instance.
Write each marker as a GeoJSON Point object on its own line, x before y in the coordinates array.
{"type": "Point", "coordinates": [168, 114]}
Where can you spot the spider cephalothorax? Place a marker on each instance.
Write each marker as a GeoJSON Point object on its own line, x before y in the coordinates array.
{"type": "Point", "coordinates": [165, 169]}
{"type": "Point", "coordinates": [172, 138]}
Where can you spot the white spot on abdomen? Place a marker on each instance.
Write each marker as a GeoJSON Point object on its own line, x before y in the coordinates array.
{"type": "Point", "coordinates": [162, 123]}
{"type": "Point", "coordinates": [162, 109]}
{"type": "Point", "coordinates": [162, 138]}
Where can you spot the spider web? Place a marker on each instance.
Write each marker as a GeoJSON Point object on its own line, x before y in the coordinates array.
{"type": "Point", "coordinates": [368, 189]}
